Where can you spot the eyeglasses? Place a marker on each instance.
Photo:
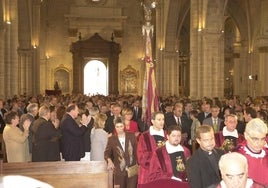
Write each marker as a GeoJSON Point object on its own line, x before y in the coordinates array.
{"type": "Point", "coordinates": [239, 176]}
{"type": "Point", "coordinates": [255, 139]}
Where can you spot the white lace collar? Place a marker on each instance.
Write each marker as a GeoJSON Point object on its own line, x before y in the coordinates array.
{"type": "Point", "coordinates": [255, 155]}
{"type": "Point", "coordinates": [155, 132]}
{"type": "Point", "coordinates": [172, 149]}
{"type": "Point", "coordinates": [225, 132]}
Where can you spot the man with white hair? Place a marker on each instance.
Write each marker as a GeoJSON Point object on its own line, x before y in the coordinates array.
{"type": "Point", "coordinates": [234, 172]}
{"type": "Point", "coordinates": [255, 151]}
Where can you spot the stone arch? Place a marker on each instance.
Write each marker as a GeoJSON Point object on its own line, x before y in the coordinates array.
{"type": "Point", "coordinates": [214, 16]}
{"type": "Point", "coordinates": [95, 48]}
{"type": "Point", "coordinates": [232, 38]}
{"type": "Point", "coordinates": [62, 76]}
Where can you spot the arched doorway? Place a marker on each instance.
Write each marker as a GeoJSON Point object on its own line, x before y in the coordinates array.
{"type": "Point", "coordinates": [95, 78]}
{"type": "Point", "coordinates": [95, 48]}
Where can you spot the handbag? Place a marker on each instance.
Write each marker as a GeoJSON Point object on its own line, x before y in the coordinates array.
{"type": "Point", "coordinates": [132, 170]}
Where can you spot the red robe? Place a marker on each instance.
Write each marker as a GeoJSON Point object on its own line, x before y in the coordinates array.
{"type": "Point", "coordinates": [219, 139]}
{"type": "Point", "coordinates": [161, 166]}
{"type": "Point", "coordinates": [257, 164]}
{"type": "Point", "coordinates": [146, 147]}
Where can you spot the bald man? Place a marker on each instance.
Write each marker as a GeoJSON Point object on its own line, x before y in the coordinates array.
{"type": "Point", "coordinates": [234, 172]}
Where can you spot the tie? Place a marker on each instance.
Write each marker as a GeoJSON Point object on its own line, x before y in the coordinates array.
{"type": "Point", "coordinates": [179, 121]}
{"type": "Point", "coordinates": [136, 112]}
{"type": "Point", "coordinates": [215, 127]}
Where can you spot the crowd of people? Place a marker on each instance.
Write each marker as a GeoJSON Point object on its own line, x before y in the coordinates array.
{"type": "Point", "coordinates": [189, 141]}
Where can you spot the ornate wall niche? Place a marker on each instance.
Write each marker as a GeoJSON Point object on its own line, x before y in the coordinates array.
{"type": "Point", "coordinates": [62, 76]}
{"type": "Point", "coordinates": [129, 81]}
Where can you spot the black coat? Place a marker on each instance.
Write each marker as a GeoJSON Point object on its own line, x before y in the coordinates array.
{"type": "Point", "coordinates": [200, 171]}
{"type": "Point", "coordinates": [45, 141]}
{"type": "Point", "coordinates": [2, 121]}
{"type": "Point", "coordinates": [201, 116]}
{"type": "Point", "coordinates": [170, 120]}
{"type": "Point", "coordinates": [137, 116]}
{"type": "Point", "coordinates": [109, 124]}
{"type": "Point", "coordinates": [73, 148]}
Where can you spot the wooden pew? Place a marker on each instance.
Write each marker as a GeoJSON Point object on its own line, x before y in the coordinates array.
{"type": "Point", "coordinates": [82, 174]}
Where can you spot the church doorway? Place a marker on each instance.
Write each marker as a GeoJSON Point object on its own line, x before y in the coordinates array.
{"type": "Point", "coordinates": [95, 78]}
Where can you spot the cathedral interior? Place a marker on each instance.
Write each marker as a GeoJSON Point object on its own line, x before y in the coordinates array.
{"type": "Point", "coordinates": [212, 48]}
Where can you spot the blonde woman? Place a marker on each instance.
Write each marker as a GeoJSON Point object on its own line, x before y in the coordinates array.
{"type": "Point", "coordinates": [98, 138]}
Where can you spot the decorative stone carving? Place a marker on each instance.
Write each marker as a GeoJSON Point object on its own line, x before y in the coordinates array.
{"type": "Point", "coordinates": [129, 81]}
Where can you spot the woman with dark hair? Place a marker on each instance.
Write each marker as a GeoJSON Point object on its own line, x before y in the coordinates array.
{"type": "Point", "coordinates": [121, 154]}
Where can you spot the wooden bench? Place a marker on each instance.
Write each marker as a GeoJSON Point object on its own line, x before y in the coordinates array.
{"type": "Point", "coordinates": [81, 174]}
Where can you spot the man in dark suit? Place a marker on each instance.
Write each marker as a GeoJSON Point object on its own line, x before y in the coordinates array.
{"type": "Point", "coordinates": [202, 166]}
{"type": "Point", "coordinates": [45, 137]}
{"type": "Point", "coordinates": [137, 115]}
{"type": "Point", "coordinates": [73, 148]}
{"type": "Point", "coordinates": [137, 110]}
{"type": "Point", "coordinates": [176, 118]}
{"type": "Point", "coordinates": [2, 113]}
{"type": "Point", "coordinates": [109, 125]}
{"type": "Point", "coordinates": [206, 113]}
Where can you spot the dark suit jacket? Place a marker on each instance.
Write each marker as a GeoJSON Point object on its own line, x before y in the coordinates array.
{"type": "Point", "coordinates": [201, 116]}
{"type": "Point", "coordinates": [200, 171]}
{"type": "Point", "coordinates": [45, 141]}
{"type": "Point", "coordinates": [170, 120]}
{"type": "Point", "coordinates": [137, 116]}
{"type": "Point", "coordinates": [2, 122]}
{"type": "Point", "coordinates": [109, 124]}
{"type": "Point", "coordinates": [73, 148]}
{"type": "Point", "coordinates": [87, 134]}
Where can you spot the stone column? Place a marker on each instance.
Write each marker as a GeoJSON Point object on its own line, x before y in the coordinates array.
{"type": "Point", "coordinates": [237, 73]}
{"type": "Point", "coordinates": [206, 46]}
{"type": "Point", "coordinates": [2, 62]}
{"type": "Point", "coordinates": [7, 62]}
{"type": "Point", "coordinates": [262, 53]}
{"type": "Point", "coordinates": [195, 48]}
{"type": "Point", "coordinates": [213, 65]}
{"type": "Point", "coordinates": [25, 78]}
{"type": "Point", "coordinates": [159, 51]}
{"type": "Point", "coordinates": [36, 53]}
{"type": "Point", "coordinates": [13, 47]}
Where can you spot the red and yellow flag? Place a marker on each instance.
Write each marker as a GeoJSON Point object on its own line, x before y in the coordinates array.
{"type": "Point", "coordinates": [150, 101]}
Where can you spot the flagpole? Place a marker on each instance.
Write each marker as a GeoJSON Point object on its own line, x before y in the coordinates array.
{"type": "Point", "coordinates": [149, 98]}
